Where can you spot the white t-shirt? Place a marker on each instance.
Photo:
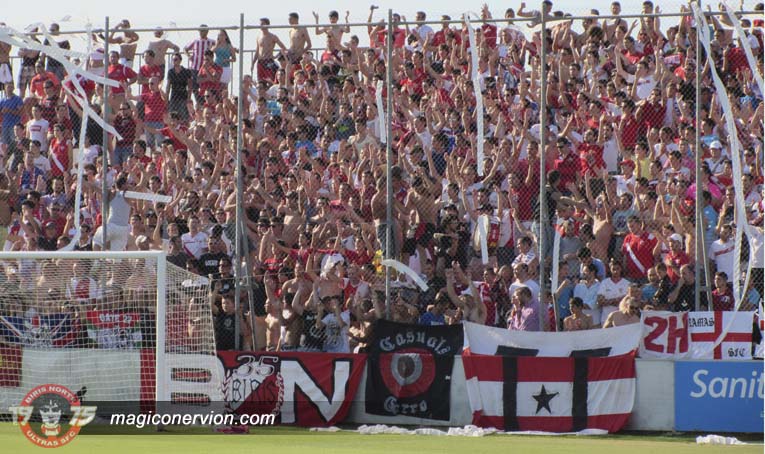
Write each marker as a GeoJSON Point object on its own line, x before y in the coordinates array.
{"type": "Point", "coordinates": [723, 255]}
{"type": "Point", "coordinates": [756, 251]}
{"type": "Point", "coordinates": [194, 245]}
{"type": "Point", "coordinates": [38, 130]}
{"type": "Point", "coordinates": [610, 290]}
{"type": "Point", "coordinates": [589, 296]}
{"type": "Point", "coordinates": [611, 155]}
{"type": "Point", "coordinates": [335, 337]}
{"type": "Point", "coordinates": [531, 284]}
{"type": "Point", "coordinates": [42, 163]}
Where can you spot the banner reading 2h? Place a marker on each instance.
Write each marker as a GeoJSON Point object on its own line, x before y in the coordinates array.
{"type": "Point", "coordinates": [410, 368]}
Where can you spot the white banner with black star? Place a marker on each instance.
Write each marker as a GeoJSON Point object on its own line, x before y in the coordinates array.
{"type": "Point", "coordinates": [550, 394]}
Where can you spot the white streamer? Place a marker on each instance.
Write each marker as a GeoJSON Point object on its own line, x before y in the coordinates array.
{"type": "Point", "coordinates": [735, 152]}
{"type": "Point", "coordinates": [80, 160]}
{"type": "Point", "coordinates": [745, 44]}
{"type": "Point", "coordinates": [740, 205]}
{"type": "Point", "coordinates": [14, 37]}
{"type": "Point", "coordinates": [401, 268]}
{"type": "Point", "coordinates": [482, 238]}
{"type": "Point", "coordinates": [382, 118]}
{"type": "Point", "coordinates": [151, 197]}
{"type": "Point", "coordinates": [555, 269]}
{"type": "Point", "coordinates": [478, 95]}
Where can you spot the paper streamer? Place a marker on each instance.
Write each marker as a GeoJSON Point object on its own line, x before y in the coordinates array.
{"type": "Point", "coordinates": [735, 152]}
{"type": "Point", "coordinates": [401, 268]}
{"type": "Point", "coordinates": [483, 238]}
{"type": "Point", "coordinates": [80, 155]}
{"type": "Point", "coordinates": [382, 118]}
{"type": "Point", "coordinates": [478, 95]}
{"type": "Point", "coordinates": [745, 44]}
{"type": "Point", "coordinates": [151, 197]}
{"type": "Point", "coordinates": [555, 260]}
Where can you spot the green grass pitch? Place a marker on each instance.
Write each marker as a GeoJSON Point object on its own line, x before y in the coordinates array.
{"type": "Point", "coordinates": [287, 440]}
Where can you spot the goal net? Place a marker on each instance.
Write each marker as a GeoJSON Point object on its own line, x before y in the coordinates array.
{"type": "Point", "coordinates": [125, 328]}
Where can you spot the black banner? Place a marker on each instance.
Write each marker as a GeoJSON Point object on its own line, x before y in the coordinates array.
{"type": "Point", "coordinates": [409, 369]}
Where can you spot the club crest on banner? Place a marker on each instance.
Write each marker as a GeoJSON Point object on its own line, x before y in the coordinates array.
{"type": "Point", "coordinates": [253, 384]}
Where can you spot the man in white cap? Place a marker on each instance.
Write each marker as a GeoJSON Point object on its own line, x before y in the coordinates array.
{"type": "Point", "coordinates": [716, 158]}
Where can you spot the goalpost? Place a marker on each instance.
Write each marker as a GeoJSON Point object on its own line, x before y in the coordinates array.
{"type": "Point", "coordinates": [127, 328]}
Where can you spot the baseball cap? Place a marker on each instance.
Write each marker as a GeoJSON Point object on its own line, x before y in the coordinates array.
{"type": "Point", "coordinates": [676, 237]}
{"type": "Point", "coordinates": [716, 144]}
{"type": "Point", "coordinates": [50, 224]}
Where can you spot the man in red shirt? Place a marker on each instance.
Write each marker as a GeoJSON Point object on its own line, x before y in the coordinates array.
{"type": "Point", "coordinates": [149, 69]}
{"type": "Point", "coordinates": [676, 257]}
{"type": "Point", "coordinates": [628, 125]}
{"type": "Point", "coordinates": [60, 152]}
{"type": "Point", "coordinates": [637, 251]}
{"type": "Point", "coordinates": [41, 76]}
{"type": "Point", "coordinates": [440, 37]}
{"type": "Point", "coordinates": [567, 164]}
{"type": "Point", "coordinates": [154, 102]}
{"type": "Point", "coordinates": [122, 74]}
{"type": "Point", "coordinates": [590, 153]}
{"type": "Point", "coordinates": [722, 295]}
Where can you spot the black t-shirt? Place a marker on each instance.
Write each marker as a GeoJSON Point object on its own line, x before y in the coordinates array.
{"type": "Point", "coordinates": [47, 244]}
{"type": "Point", "coordinates": [225, 331]}
{"type": "Point", "coordinates": [313, 336]}
{"type": "Point", "coordinates": [686, 300]}
{"type": "Point", "coordinates": [178, 260]}
{"type": "Point", "coordinates": [258, 299]}
{"type": "Point", "coordinates": [209, 262]}
{"type": "Point", "coordinates": [179, 83]}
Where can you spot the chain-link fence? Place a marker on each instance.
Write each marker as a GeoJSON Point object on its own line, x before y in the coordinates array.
{"type": "Point", "coordinates": [567, 154]}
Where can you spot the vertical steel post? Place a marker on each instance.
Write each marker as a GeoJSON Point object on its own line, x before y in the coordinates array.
{"type": "Point", "coordinates": [388, 160]}
{"type": "Point", "coordinates": [239, 199]}
{"type": "Point", "coordinates": [543, 215]}
{"type": "Point", "coordinates": [105, 145]}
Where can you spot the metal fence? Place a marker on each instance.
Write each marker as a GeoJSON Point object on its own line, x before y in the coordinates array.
{"type": "Point", "coordinates": [531, 159]}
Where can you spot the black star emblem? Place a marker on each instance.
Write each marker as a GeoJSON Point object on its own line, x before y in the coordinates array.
{"type": "Point", "coordinates": [543, 399]}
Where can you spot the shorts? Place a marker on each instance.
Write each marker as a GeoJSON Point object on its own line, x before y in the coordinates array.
{"type": "Point", "coordinates": [266, 69]}
{"type": "Point", "coordinates": [25, 76]}
{"type": "Point", "coordinates": [225, 77]}
{"type": "Point", "coordinates": [116, 235]}
{"type": "Point", "coordinates": [6, 74]}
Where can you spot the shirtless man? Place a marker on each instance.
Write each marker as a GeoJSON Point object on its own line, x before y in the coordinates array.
{"type": "Point", "coordinates": [422, 199]}
{"type": "Point", "coordinates": [628, 313]}
{"type": "Point", "coordinates": [293, 219]}
{"type": "Point", "coordinates": [299, 40]}
{"type": "Point", "coordinates": [471, 306]}
{"type": "Point", "coordinates": [379, 207]}
{"type": "Point", "coordinates": [334, 32]}
{"type": "Point", "coordinates": [295, 293]}
{"type": "Point", "coordinates": [128, 42]}
{"type": "Point", "coordinates": [160, 46]}
{"type": "Point", "coordinates": [264, 52]}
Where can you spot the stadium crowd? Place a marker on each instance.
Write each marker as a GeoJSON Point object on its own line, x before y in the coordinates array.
{"type": "Point", "coordinates": [619, 155]}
